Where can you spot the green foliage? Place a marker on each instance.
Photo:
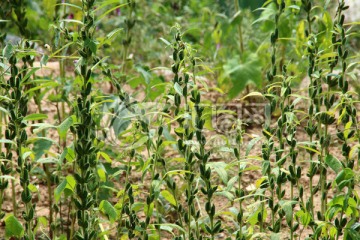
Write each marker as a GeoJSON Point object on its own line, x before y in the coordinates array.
{"type": "Point", "coordinates": [119, 142]}
{"type": "Point", "coordinates": [13, 227]}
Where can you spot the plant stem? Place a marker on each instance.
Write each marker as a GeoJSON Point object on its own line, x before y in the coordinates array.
{"type": "Point", "coordinates": [237, 9]}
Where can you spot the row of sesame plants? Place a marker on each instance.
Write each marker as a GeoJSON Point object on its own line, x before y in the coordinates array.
{"type": "Point", "coordinates": [110, 160]}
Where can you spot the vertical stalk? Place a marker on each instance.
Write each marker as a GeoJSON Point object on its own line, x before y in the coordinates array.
{"type": "Point", "coordinates": [237, 9]}
{"type": "Point", "coordinates": [181, 88]}
{"type": "Point", "coordinates": [239, 192]}
{"type": "Point", "coordinates": [269, 133]}
{"type": "Point", "coordinates": [85, 144]}
{"type": "Point", "coordinates": [16, 132]}
{"type": "Point", "coordinates": [129, 25]}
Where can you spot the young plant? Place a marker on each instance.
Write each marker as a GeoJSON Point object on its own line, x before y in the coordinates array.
{"type": "Point", "coordinates": [278, 178]}
{"type": "Point", "coordinates": [129, 25]}
{"type": "Point", "coordinates": [239, 192]}
{"type": "Point", "coordinates": [16, 133]}
{"type": "Point", "coordinates": [185, 132]}
{"type": "Point", "coordinates": [85, 143]}
{"type": "Point", "coordinates": [311, 128]}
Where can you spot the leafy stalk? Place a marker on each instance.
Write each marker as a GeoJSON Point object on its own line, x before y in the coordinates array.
{"type": "Point", "coordinates": [16, 132]}
{"type": "Point", "coordinates": [85, 145]}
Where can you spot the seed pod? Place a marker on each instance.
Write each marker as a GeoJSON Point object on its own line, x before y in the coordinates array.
{"type": "Point", "coordinates": [177, 37]}
{"type": "Point", "coordinates": [274, 70]}
{"type": "Point", "coordinates": [273, 39]}
{"type": "Point", "coordinates": [236, 153]}
{"type": "Point", "coordinates": [345, 87]}
{"type": "Point", "coordinates": [342, 19]}
{"type": "Point", "coordinates": [175, 52]}
{"type": "Point", "coordinates": [181, 55]}
{"type": "Point", "coordinates": [271, 203]}
{"type": "Point", "coordinates": [88, 88]}
{"type": "Point", "coordinates": [273, 59]}
{"type": "Point", "coordinates": [185, 91]}
{"type": "Point", "coordinates": [301, 191]}
{"type": "Point", "coordinates": [269, 76]}
{"type": "Point", "coordinates": [88, 75]}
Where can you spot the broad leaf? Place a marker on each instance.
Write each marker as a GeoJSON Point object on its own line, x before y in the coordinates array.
{"type": "Point", "coordinates": [169, 197]}
{"type": "Point", "coordinates": [65, 125]}
{"type": "Point", "coordinates": [13, 227]}
{"type": "Point", "coordinates": [242, 73]}
{"type": "Point", "coordinates": [108, 209]}
{"type": "Point", "coordinates": [219, 168]}
{"type": "Point", "coordinates": [139, 143]}
{"type": "Point", "coordinates": [59, 189]}
{"type": "Point", "coordinates": [334, 163]}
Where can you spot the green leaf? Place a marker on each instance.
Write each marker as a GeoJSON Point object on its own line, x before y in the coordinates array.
{"type": "Point", "coordinates": [139, 143]}
{"type": "Point", "coordinates": [165, 41]}
{"type": "Point", "coordinates": [178, 89]}
{"type": "Point", "coordinates": [5, 98]}
{"type": "Point", "coordinates": [7, 177]}
{"type": "Point", "coordinates": [114, 33]}
{"type": "Point", "coordinates": [13, 227]}
{"type": "Point", "coordinates": [352, 234]}
{"type": "Point", "coordinates": [59, 189]}
{"type": "Point", "coordinates": [251, 144]}
{"type": "Point", "coordinates": [91, 44]}
{"type": "Point", "coordinates": [231, 183]}
{"type": "Point", "coordinates": [226, 194]}
{"type": "Point", "coordinates": [102, 174]}
{"type": "Point", "coordinates": [36, 117]}
{"type": "Point", "coordinates": [71, 21]}
{"type": "Point", "coordinates": [32, 188]}
{"type": "Point", "coordinates": [305, 217]}
{"type": "Point", "coordinates": [344, 177]}
{"type": "Point", "coordinates": [65, 125]}
{"type": "Point", "coordinates": [169, 197]}
{"type": "Point", "coordinates": [41, 146]}
{"type": "Point", "coordinates": [44, 60]}
{"type": "Point", "coordinates": [41, 126]}
{"type": "Point", "coordinates": [155, 88]}
{"type": "Point", "coordinates": [242, 73]}
{"type": "Point", "coordinates": [353, 231]}
{"type": "Point", "coordinates": [47, 160]}
{"type": "Point", "coordinates": [288, 209]}
{"type": "Point", "coordinates": [105, 156]}
{"type": "Point", "coordinates": [219, 168]}
{"type": "Point", "coordinates": [71, 183]}
{"type": "Point", "coordinates": [6, 141]}
{"type": "Point", "coordinates": [148, 209]}
{"type": "Point", "coordinates": [7, 51]}
{"type": "Point", "coordinates": [253, 94]}
{"type": "Point", "coordinates": [333, 163]}
{"type": "Point", "coordinates": [42, 222]}
{"type": "Point", "coordinates": [108, 209]}
{"type": "Point", "coordinates": [145, 74]}
{"type": "Point", "coordinates": [30, 73]}
{"type": "Point", "coordinates": [165, 226]}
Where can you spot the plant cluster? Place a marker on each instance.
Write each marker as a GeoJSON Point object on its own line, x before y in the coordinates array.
{"type": "Point", "coordinates": [115, 149]}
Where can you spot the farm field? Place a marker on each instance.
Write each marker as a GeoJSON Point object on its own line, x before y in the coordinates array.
{"type": "Point", "coordinates": [159, 120]}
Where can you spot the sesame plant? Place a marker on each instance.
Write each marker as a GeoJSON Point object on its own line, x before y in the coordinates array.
{"type": "Point", "coordinates": [125, 138]}
{"type": "Point", "coordinates": [16, 143]}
